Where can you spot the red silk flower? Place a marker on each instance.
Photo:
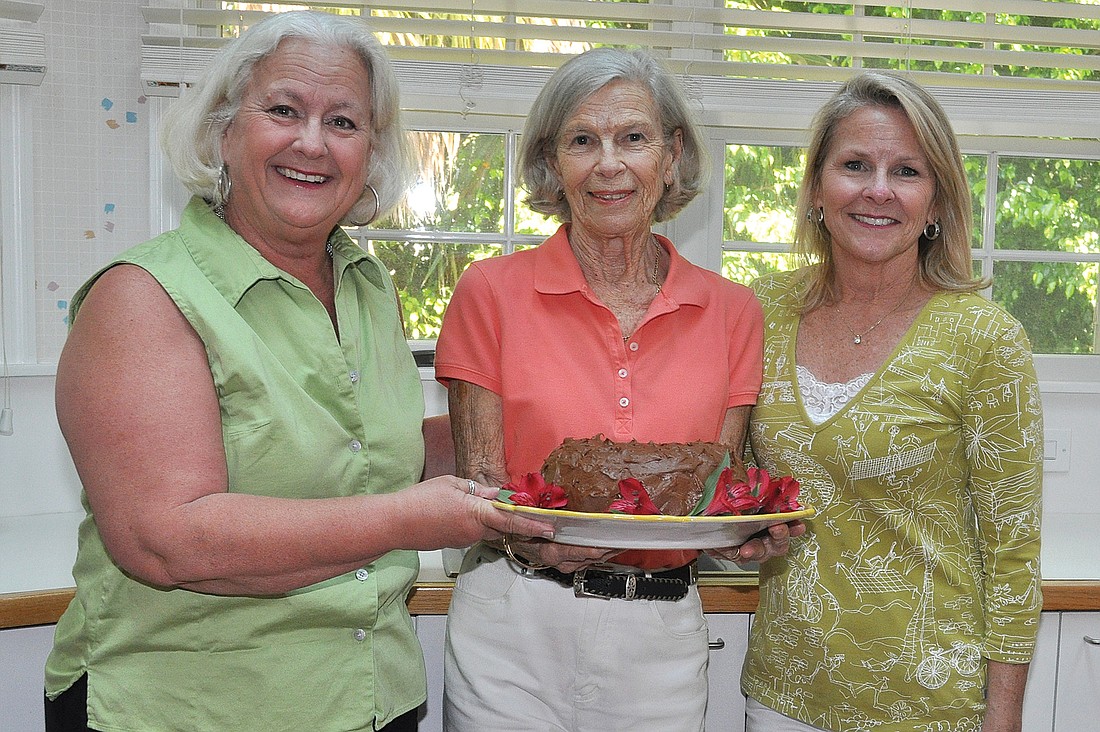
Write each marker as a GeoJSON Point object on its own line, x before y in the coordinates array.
{"type": "Point", "coordinates": [533, 490]}
{"type": "Point", "coordinates": [633, 499]}
{"type": "Point", "coordinates": [759, 494]}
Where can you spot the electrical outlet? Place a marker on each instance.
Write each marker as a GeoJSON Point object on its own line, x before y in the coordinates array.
{"type": "Point", "coordinates": [1056, 451]}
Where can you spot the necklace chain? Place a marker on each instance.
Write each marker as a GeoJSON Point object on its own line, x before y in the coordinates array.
{"type": "Point", "coordinates": [657, 265]}
{"type": "Point", "coordinates": [857, 338]}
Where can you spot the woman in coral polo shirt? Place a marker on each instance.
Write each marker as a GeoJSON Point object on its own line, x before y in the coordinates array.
{"type": "Point", "coordinates": [602, 329]}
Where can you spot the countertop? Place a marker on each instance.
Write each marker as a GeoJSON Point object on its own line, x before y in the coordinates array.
{"type": "Point", "coordinates": [37, 552]}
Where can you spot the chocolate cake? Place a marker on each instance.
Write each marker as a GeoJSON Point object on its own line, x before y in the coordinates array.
{"type": "Point", "coordinates": [673, 473]}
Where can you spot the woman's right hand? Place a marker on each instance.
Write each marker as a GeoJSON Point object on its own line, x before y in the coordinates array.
{"type": "Point", "coordinates": [455, 512]}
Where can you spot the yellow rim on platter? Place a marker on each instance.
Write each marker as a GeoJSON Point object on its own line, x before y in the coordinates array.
{"type": "Point", "coordinates": [804, 512]}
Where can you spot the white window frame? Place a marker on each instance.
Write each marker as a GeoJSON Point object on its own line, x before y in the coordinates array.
{"type": "Point", "coordinates": [17, 280]}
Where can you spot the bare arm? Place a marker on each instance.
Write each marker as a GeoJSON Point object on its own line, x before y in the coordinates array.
{"type": "Point", "coordinates": [477, 420]}
{"type": "Point", "coordinates": [477, 423]}
{"type": "Point", "coordinates": [1005, 684]}
{"type": "Point", "coordinates": [137, 405]}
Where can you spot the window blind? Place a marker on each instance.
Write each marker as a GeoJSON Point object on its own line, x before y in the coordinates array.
{"type": "Point", "coordinates": [22, 51]}
{"type": "Point", "coordinates": [1037, 60]}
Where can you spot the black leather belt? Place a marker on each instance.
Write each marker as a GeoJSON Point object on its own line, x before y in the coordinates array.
{"type": "Point", "coordinates": [625, 585]}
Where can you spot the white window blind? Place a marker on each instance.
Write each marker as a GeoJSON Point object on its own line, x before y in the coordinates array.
{"type": "Point", "coordinates": [1011, 67]}
{"type": "Point", "coordinates": [22, 50]}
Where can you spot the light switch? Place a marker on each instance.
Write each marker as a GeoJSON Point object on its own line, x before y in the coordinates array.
{"type": "Point", "coordinates": [1056, 451]}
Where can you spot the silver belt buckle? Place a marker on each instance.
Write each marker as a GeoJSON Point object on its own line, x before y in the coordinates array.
{"type": "Point", "coordinates": [629, 592]}
{"type": "Point", "coordinates": [579, 589]}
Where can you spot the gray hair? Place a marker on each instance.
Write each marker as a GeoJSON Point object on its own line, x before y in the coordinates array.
{"type": "Point", "coordinates": [579, 78]}
{"type": "Point", "coordinates": [945, 262]}
{"type": "Point", "coordinates": [193, 127]}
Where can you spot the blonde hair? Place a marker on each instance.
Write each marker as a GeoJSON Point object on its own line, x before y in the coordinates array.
{"type": "Point", "coordinates": [193, 127]}
{"type": "Point", "coordinates": [945, 263]}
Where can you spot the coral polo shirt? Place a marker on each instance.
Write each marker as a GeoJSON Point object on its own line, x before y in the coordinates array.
{"type": "Point", "coordinates": [528, 327]}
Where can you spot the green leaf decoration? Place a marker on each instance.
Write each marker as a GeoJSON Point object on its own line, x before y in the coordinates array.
{"type": "Point", "coordinates": [505, 496]}
{"type": "Point", "coordinates": [709, 486]}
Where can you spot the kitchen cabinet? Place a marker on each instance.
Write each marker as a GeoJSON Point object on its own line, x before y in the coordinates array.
{"type": "Point", "coordinates": [1077, 697]}
{"type": "Point", "coordinates": [729, 639]}
{"type": "Point", "coordinates": [23, 654]}
{"type": "Point", "coordinates": [431, 630]}
{"type": "Point", "coordinates": [1041, 677]}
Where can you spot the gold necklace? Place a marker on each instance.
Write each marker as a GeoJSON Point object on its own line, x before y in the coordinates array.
{"type": "Point", "coordinates": [857, 338]}
{"type": "Point", "coordinates": [657, 265]}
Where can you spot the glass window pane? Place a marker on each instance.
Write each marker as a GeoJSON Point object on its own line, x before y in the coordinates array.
{"type": "Point", "coordinates": [744, 267]}
{"type": "Point", "coordinates": [425, 274]}
{"type": "Point", "coordinates": [761, 191]}
{"type": "Point", "coordinates": [459, 185]}
{"type": "Point", "coordinates": [976, 167]}
{"type": "Point", "coordinates": [532, 222]}
{"type": "Point", "coordinates": [1055, 301]}
{"type": "Point", "coordinates": [1048, 204]}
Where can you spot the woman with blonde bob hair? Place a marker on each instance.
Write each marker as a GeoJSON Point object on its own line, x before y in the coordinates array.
{"type": "Point", "coordinates": [247, 421]}
{"type": "Point", "coordinates": [907, 406]}
{"type": "Point", "coordinates": [192, 130]}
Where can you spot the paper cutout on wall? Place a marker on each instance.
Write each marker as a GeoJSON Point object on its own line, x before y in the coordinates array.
{"type": "Point", "coordinates": [131, 117]}
{"type": "Point", "coordinates": [53, 286]}
{"type": "Point", "coordinates": [107, 104]}
{"type": "Point", "coordinates": [112, 124]}
{"type": "Point", "coordinates": [89, 234]}
{"type": "Point", "coordinates": [108, 208]}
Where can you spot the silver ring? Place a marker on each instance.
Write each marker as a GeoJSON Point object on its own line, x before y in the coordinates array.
{"type": "Point", "coordinates": [471, 487]}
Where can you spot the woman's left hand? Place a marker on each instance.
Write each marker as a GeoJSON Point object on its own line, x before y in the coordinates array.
{"type": "Point", "coordinates": [773, 543]}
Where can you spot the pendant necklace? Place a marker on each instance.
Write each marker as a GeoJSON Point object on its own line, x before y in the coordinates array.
{"type": "Point", "coordinates": [857, 338]}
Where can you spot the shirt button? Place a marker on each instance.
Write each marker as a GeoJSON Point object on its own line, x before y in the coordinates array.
{"type": "Point", "coordinates": [622, 373]}
{"type": "Point", "coordinates": [359, 634]}
{"type": "Point", "coordinates": [361, 575]}
{"type": "Point", "coordinates": [624, 402]}
{"type": "Point", "coordinates": [633, 346]}
{"type": "Point", "coordinates": [354, 376]}
{"type": "Point", "coordinates": [355, 445]}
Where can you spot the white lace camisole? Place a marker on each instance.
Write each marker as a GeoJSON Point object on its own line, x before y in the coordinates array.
{"type": "Point", "coordinates": [824, 399]}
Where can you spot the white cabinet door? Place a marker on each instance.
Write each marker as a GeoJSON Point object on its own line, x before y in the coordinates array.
{"type": "Point", "coordinates": [729, 639]}
{"type": "Point", "coordinates": [1039, 697]}
{"type": "Point", "coordinates": [1077, 703]}
{"type": "Point", "coordinates": [431, 630]}
{"type": "Point", "coordinates": [23, 654]}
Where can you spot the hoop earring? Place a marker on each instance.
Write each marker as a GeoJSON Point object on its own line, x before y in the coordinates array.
{"type": "Point", "coordinates": [933, 231]}
{"type": "Point", "coordinates": [377, 205]}
{"type": "Point", "coordinates": [819, 218]}
{"type": "Point", "coordinates": [222, 187]}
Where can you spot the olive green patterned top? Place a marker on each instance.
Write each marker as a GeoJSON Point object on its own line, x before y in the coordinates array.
{"type": "Point", "coordinates": [923, 558]}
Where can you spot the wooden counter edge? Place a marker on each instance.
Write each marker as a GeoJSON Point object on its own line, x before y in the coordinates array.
{"type": "Point", "coordinates": [23, 609]}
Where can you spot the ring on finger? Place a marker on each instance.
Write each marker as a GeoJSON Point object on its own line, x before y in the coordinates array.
{"type": "Point", "coordinates": [471, 487]}
{"type": "Point", "coordinates": [736, 555]}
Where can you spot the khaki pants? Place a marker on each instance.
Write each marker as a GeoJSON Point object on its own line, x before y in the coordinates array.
{"type": "Point", "coordinates": [524, 654]}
